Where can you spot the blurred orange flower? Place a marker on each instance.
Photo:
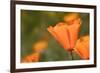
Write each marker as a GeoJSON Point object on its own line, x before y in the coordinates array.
{"type": "Point", "coordinates": [82, 47]}
{"type": "Point", "coordinates": [40, 46]}
{"type": "Point", "coordinates": [72, 18]}
{"type": "Point", "coordinates": [31, 58]}
{"type": "Point", "coordinates": [66, 33]}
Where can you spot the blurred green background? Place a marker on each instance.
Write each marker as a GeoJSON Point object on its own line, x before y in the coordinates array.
{"type": "Point", "coordinates": [34, 27]}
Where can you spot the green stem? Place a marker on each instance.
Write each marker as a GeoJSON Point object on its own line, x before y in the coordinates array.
{"type": "Point", "coordinates": [71, 53]}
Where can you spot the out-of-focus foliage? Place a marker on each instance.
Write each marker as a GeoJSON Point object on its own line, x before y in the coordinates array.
{"type": "Point", "coordinates": [34, 28]}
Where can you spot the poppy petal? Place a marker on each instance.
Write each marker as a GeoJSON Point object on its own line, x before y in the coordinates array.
{"type": "Point", "coordinates": [82, 47]}
{"type": "Point", "coordinates": [53, 33]}
{"type": "Point", "coordinates": [62, 34]}
{"type": "Point", "coordinates": [73, 34]}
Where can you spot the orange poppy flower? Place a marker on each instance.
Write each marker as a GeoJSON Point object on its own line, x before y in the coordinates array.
{"type": "Point", "coordinates": [65, 33]}
{"type": "Point", "coordinates": [31, 58]}
{"type": "Point", "coordinates": [82, 47]}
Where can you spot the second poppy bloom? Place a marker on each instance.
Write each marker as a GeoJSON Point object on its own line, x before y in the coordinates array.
{"type": "Point", "coordinates": [82, 47]}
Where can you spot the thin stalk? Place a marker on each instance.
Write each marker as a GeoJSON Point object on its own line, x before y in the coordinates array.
{"type": "Point", "coordinates": [71, 53]}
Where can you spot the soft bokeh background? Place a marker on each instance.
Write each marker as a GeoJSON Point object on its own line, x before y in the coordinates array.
{"type": "Point", "coordinates": [34, 27]}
